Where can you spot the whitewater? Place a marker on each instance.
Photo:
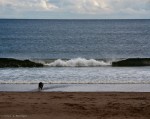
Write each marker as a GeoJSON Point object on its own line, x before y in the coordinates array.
{"type": "Point", "coordinates": [76, 75]}
{"type": "Point", "coordinates": [77, 62]}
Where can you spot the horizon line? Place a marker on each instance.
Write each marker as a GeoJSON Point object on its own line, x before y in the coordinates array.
{"type": "Point", "coordinates": [74, 19]}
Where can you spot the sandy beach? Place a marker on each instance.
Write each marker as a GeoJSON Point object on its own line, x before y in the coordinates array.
{"type": "Point", "coordinates": [68, 105]}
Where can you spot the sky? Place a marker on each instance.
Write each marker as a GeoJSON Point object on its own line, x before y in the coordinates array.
{"type": "Point", "coordinates": [75, 9]}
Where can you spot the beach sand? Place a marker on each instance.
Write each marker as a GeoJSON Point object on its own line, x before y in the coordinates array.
{"type": "Point", "coordinates": [69, 105]}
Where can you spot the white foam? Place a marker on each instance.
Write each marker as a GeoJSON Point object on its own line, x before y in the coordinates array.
{"type": "Point", "coordinates": [73, 75]}
{"type": "Point", "coordinates": [78, 62]}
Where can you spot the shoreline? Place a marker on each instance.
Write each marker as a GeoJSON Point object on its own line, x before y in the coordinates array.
{"type": "Point", "coordinates": [76, 88]}
{"type": "Point", "coordinates": [73, 105]}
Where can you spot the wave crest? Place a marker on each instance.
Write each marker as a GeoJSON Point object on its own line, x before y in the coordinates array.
{"type": "Point", "coordinates": [78, 62]}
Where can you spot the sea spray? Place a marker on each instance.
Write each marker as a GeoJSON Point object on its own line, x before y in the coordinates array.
{"type": "Point", "coordinates": [78, 62]}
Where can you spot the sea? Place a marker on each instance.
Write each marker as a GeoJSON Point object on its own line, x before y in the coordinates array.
{"type": "Point", "coordinates": [77, 54]}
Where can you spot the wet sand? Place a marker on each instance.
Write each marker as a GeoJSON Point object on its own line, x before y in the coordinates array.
{"type": "Point", "coordinates": [80, 105]}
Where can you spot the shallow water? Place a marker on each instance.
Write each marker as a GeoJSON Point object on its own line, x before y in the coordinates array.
{"type": "Point", "coordinates": [76, 88]}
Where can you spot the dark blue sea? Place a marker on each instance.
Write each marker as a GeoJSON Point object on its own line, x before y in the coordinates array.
{"type": "Point", "coordinates": [75, 51]}
{"type": "Point", "coordinates": [52, 39]}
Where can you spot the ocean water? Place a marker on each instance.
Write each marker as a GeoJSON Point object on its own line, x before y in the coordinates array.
{"type": "Point", "coordinates": [75, 51]}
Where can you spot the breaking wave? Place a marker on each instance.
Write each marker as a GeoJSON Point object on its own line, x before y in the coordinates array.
{"type": "Point", "coordinates": [78, 62]}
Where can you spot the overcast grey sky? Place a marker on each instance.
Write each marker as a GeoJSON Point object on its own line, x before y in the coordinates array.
{"type": "Point", "coordinates": [75, 9]}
